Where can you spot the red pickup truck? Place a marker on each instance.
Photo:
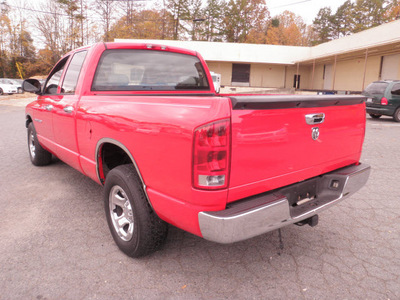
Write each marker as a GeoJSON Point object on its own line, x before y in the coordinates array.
{"type": "Point", "coordinates": [144, 121]}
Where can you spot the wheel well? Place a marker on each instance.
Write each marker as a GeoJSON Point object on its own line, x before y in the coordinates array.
{"type": "Point", "coordinates": [28, 120]}
{"type": "Point", "coordinates": [111, 156]}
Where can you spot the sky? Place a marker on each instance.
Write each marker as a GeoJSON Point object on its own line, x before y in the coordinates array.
{"type": "Point", "coordinates": [307, 9]}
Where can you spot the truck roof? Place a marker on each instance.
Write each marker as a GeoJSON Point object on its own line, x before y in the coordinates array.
{"type": "Point", "coordinates": [118, 45]}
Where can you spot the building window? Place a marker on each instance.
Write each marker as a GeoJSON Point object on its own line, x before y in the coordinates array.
{"type": "Point", "coordinates": [240, 74]}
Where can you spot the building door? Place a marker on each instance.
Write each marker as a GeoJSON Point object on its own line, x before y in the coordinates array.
{"type": "Point", "coordinates": [296, 81]}
{"type": "Point", "coordinates": [241, 74]}
{"type": "Point", "coordinates": [390, 67]}
{"type": "Point", "coordinates": [328, 77]}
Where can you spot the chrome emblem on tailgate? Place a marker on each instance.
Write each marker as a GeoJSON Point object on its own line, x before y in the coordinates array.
{"type": "Point", "coordinates": [315, 133]}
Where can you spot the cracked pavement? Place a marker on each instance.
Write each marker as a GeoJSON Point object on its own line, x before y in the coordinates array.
{"type": "Point", "coordinates": [55, 243]}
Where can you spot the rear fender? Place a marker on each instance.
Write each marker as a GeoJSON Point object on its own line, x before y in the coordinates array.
{"type": "Point", "coordinates": [99, 161]}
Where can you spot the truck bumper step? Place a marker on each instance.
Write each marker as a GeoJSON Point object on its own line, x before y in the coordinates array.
{"type": "Point", "coordinates": [262, 213]}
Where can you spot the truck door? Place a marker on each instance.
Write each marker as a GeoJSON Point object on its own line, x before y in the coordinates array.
{"type": "Point", "coordinates": [64, 111]}
{"type": "Point", "coordinates": [43, 118]}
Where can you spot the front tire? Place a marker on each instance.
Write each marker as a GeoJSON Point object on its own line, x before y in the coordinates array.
{"type": "Point", "coordinates": [396, 115]}
{"type": "Point", "coordinates": [38, 155]}
{"type": "Point", "coordinates": [135, 227]}
{"type": "Point", "coordinates": [375, 116]}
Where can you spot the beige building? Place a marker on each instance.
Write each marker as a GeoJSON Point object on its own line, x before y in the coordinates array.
{"type": "Point", "coordinates": [346, 64]}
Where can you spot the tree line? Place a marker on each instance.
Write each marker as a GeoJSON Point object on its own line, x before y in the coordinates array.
{"type": "Point", "coordinates": [59, 26]}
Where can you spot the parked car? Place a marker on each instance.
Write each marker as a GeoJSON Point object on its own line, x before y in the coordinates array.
{"type": "Point", "coordinates": [7, 87]}
{"type": "Point", "coordinates": [383, 98]}
{"type": "Point", "coordinates": [18, 83]}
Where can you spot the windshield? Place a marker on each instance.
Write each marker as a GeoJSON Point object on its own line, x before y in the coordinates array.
{"type": "Point", "coordinates": [135, 70]}
{"type": "Point", "coordinates": [377, 88]}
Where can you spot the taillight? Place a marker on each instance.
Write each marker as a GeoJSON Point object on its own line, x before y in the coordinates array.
{"type": "Point", "coordinates": [211, 155]}
{"type": "Point", "coordinates": [384, 101]}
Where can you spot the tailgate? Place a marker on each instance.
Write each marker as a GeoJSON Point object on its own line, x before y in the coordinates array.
{"type": "Point", "coordinates": [280, 140]}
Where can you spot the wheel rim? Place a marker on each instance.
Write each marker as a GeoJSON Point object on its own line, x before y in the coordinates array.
{"type": "Point", "coordinates": [32, 147]}
{"type": "Point", "coordinates": [121, 213]}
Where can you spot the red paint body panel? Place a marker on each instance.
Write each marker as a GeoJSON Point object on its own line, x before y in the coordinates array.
{"type": "Point", "coordinates": [274, 148]}
{"type": "Point", "coordinates": [269, 148]}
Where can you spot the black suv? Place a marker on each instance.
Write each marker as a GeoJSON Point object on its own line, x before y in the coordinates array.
{"type": "Point", "coordinates": [383, 98]}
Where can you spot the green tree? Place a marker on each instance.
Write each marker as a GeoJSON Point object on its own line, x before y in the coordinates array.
{"type": "Point", "coordinates": [213, 22]}
{"type": "Point", "coordinates": [368, 14]}
{"type": "Point", "coordinates": [194, 17]}
{"type": "Point", "coordinates": [323, 26]}
{"type": "Point", "coordinates": [241, 16]}
{"type": "Point", "coordinates": [343, 21]}
{"type": "Point", "coordinates": [178, 10]}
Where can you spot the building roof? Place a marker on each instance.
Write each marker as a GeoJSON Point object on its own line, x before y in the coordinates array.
{"type": "Point", "coordinates": [275, 54]}
{"type": "Point", "coordinates": [378, 36]}
{"type": "Point", "coordinates": [235, 52]}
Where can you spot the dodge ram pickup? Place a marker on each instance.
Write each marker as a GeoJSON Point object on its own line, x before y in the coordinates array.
{"type": "Point", "coordinates": [144, 121]}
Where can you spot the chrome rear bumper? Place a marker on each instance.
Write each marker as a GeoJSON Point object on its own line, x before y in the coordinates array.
{"type": "Point", "coordinates": [269, 211]}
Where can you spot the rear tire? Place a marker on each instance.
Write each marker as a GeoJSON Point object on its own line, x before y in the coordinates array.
{"type": "Point", "coordinates": [135, 227]}
{"type": "Point", "coordinates": [38, 155]}
{"type": "Point", "coordinates": [1, 92]}
{"type": "Point", "coordinates": [396, 115]}
{"type": "Point", "coordinates": [375, 116]}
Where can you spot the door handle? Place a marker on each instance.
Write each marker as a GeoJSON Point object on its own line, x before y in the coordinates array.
{"type": "Point", "coordinates": [68, 109]}
{"type": "Point", "coordinates": [48, 107]}
{"type": "Point", "coordinates": [312, 119]}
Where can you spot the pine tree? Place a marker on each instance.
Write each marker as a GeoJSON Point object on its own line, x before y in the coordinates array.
{"type": "Point", "coordinates": [323, 26]}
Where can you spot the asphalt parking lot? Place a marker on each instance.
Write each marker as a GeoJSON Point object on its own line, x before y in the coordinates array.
{"type": "Point", "coordinates": [55, 243]}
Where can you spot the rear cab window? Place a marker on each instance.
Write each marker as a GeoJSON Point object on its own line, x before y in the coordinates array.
{"type": "Point", "coordinates": [149, 70]}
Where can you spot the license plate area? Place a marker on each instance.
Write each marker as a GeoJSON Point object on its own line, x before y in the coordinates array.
{"type": "Point", "coordinates": [301, 196]}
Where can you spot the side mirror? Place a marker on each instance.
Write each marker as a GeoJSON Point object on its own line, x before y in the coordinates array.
{"type": "Point", "coordinates": [32, 86]}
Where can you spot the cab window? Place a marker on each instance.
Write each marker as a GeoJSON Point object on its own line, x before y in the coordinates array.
{"type": "Point", "coordinates": [72, 73]}
{"type": "Point", "coordinates": [53, 81]}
